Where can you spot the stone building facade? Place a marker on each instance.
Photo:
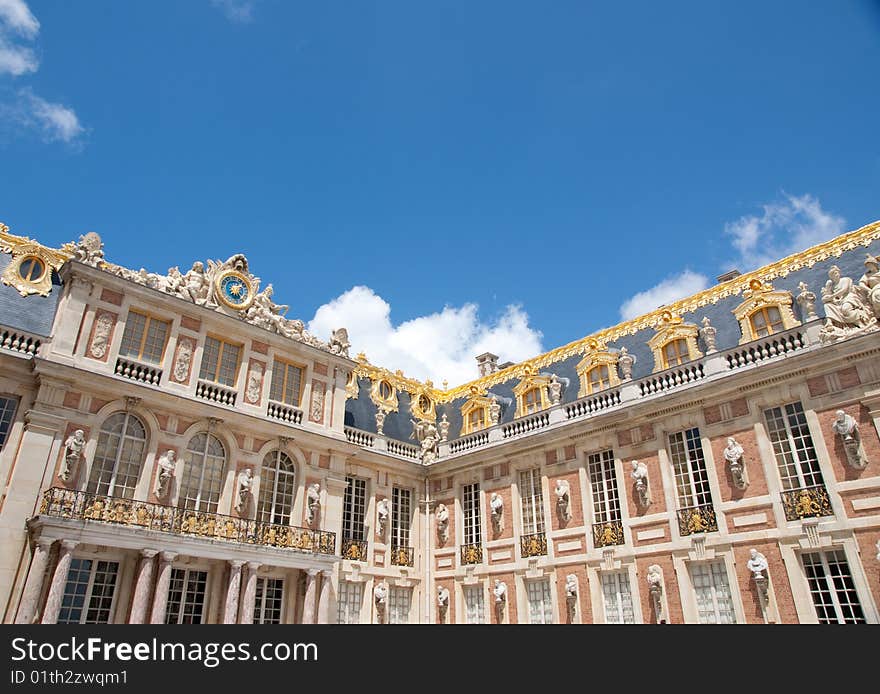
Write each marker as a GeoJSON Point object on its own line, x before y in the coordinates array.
{"type": "Point", "coordinates": [175, 449]}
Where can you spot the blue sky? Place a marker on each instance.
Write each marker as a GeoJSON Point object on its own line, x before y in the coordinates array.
{"type": "Point", "coordinates": [447, 177]}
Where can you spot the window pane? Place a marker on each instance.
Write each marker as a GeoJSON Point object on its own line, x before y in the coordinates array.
{"type": "Point", "coordinates": [400, 516]}
{"type": "Point", "coordinates": [471, 510]}
{"type": "Point", "coordinates": [203, 473]}
{"type": "Point", "coordinates": [268, 601]}
{"type": "Point", "coordinates": [119, 456]}
{"type": "Point", "coordinates": [831, 588]}
{"type": "Point", "coordinates": [475, 605]}
{"type": "Point", "coordinates": [532, 498]}
{"type": "Point", "coordinates": [603, 483]}
{"type": "Point", "coordinates": [618, 598]}
{"type": "Point", "coordinates": [354, 508]}
{"type": "Point", "coordinates": [277, 488]}
{"type": "Point", "coordinates": [7, 414]}
{"type": "Point", "coordinates": [540, 602]}
{"type": "Point", "coordinates": [712, 590]}
{"type": "Point", "coordinates": [348, 604]}
{"type": "Point", "coordinates": [399, 601]}
{"type": "Point", "coordinates": [793, 446]}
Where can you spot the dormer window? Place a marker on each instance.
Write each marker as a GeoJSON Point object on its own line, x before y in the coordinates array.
{"type": "Point", "coordinates": [597, 370]}
{"type": "Point", "coordinates": [764, 311]}
{"type": "Point", "coordinates": [675, 353]}
{"type": "Point", "coordinates": [475, 411]}
{"type": "Point", "coordinates": [531, 392]}
{"type": "Point", "coordinates": [674, 343]}
{"type": "Point", "coordinates": [532, 401]}
{"type": "Point", "coordinates": [384, 395]}
{"type": "Point", "coordinates": [598, 379]}
{"type": "Point", "coordinates": [766, 321]}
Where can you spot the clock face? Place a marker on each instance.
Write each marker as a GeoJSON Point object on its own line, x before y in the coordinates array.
{"type": "Point", "coordinates": [235, 290]}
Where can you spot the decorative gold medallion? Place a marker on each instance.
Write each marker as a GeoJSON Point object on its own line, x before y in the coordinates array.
{"type": "Point", "coordinates": [234, 289]}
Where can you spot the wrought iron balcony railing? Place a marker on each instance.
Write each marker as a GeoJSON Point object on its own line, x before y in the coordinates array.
{"type": "Point", "coordinates": [608, 534]}
{"type": "Point", "coordinates": [533, 545]}
{"type": "Point", "coordinates": [697, 519]}
{"type": "Point", "coordinates": [354, 550]}
{"type": "Point", "coordinates": [402, 556]}
{"type": "Point", "coordinates": [68, 503]}
{"type": "Point", "coordinates": [472, 554]}
{"type": "Point", "coordinates": [806, 502]}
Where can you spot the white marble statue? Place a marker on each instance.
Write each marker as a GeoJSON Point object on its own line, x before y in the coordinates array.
{"type": "Point", "coordinates": [733, 454]}
{"type": "Point", "coordinates": [554, 388]}
{"type": "Point", "coordinates": [655, 589]}
{"type": "Point", "coordinates": [846, 426]}
{"type": "Point", "coordinates": [494, 411]}
{"type": "Point", "coordinates": [571, 586]}
{"type": "Point", "coordinates": [846, 309]}
{"type": "Point", "coordinates": [625, 362]}
{"type": "Point", "coordinates": [496, 510]}
{"type": "Point", "coordinates": [500, 591]}
{"type": "Point", "coordinates": [89, 249]}
{"type": "Point", "coordinates": [708, 333]}
{"type": "Point", "coordinates": [339, 343]}
{"type": "Point", "coordinates": [563, 500]}
{"type": "Point", "coordinates": [757, 564]}
{"type": "Point", "coordinates": [380, 596]}
{"type": "Point", "coordinates": [443, 428]}
{"type": "Point", "coordinates": [807, 301]}
{"type": "Point", "coordinates": [165, 466]}
{"type": "Point", "coordinates": [869, 284]}
{"type": "Point", "coordinates": [313, 503]}
{"type": "Point", "coordinates": [194, 285]}
{"type": "Point", "coordinates": [383, 511]}
{"type": "Point", "coordinates": [243, 489]}
{"type": "Point", "coordinates": [380, 421]}
{"type": "Point", "coordinates": [73, 452]}
{"type": "Point", "coordinates": [442, 517]}
{"type": "Point", "coordinates": [640, 476]}
{"type": "Point", "coordinates": [442, 597]}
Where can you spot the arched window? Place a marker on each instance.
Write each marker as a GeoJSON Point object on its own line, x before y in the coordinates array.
{"type": "Point", "coordinates": [766, 321]}
{"type": "Point", "coordinates": [532, 400]}
{"type": "Point", "coordinates": [675, 352]}
{"type": "Point", "coordinates": [277, 478]}
{"type": "Point", "coordinates": [476, 419]}
{"type": "Point", "coordinates": [598, 379]}
{"type": "Point", "coordinates": [203, 473]}
{"type": "Point", "coordinates": [119, 456]}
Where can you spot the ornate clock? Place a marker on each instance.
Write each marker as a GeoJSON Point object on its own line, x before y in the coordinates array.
{"type": "Point", "coordinates": [235, 290]}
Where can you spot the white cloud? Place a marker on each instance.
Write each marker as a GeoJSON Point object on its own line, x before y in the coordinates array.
{"type": "Point", "coordinates": [437, 346]}
{"type": "Point", "coordinates": [785, 227]}
{"type": "Point", "coordinates": [235, 10]}
{"type": "Point", "coordinates": [17, 21]}
{"type": "Point", "coordinates": [17, 16]}
{"type": "Point", "coordinates": [55, 122]}
{"type": "Point", "coordinates": [669, 290]}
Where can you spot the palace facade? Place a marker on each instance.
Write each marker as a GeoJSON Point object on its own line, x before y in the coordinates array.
{"type": "Point", "coordinates": [174, 449]}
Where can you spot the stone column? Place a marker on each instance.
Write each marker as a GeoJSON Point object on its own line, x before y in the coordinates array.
{"type": "Point", "coordinates": [163, 581]}
{"type": "Point", "coordinates": [141, 600]}
{"type": "Point", "coordinates": [324, 598]}
{"type": "Point", "coordinates": [33, 586]}
{"type": "Point", "coordinates": [246, 613]}
{"type": "Point", "coordinates": [59, 580]}
{"type": "Point", "coordinates": [232, 590]}
{"type": "Point", "coordinates": [308, 616]}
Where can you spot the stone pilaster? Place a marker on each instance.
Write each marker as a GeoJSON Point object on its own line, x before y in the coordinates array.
{"type": "Point", "coordinates": [246, 613]}
{"type": "Point", "coordinates": [308, 614]}
{"type": "Point", "coordinates": [141, 600]}
{"type": "Point", "coordinates": [33, 586]}
{"type": "Point", "coordinates": [59, 580]}
{"type": "Point", "coordinates": [324, 598]}
{"type": "Point", "coordinates": [163, 581]}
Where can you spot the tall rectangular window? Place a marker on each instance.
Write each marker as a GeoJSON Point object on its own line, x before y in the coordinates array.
{"type": "Point", "coordinates": [353, 508]}
{"type": "Point", "coordinates": [220, 361]}
{"type": "Point", "coordinates": [691, 477]}
{"type": "Point", "coordinates": [471, 510]}
{"type": "Point", "coordinates": [712, 589]}
{"type": "Point", "coordinates": [617, 598]}
{"type": "Point", "coordinates": [540, 602]}
{"type": "Point", "coordinates": [268, 601]}
{"type": "Point", "coordinates": [286, 383]}
{"type": "Point", "coordinates": [401, 513]}
{"type": "Point", "coordinates": [186, 597]}
{"type": "Point", "coordinates": [793, 446]}
{"type": "Point", "coordinates": [532, 498]}
{"type": "Point", "coordinates": [7, 414]}
{"type": "Point", "coordinates": [603, 483]}
{"type": "Point", "coordinates": [399, 601]}
{"type": "Point", "coordinates": [474, 605]}
{"type": "Point", "coordinates": [88, 593]}
{"type": "Point", "coordinates": [348, 602]}
{"type": "Point", "coordinates": [832, 588]}
{"type": "Point", "coordinates": [144, 338]}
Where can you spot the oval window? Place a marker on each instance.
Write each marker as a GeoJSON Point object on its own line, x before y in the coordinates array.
{"type": "Point", "coordinates": [31, 269]}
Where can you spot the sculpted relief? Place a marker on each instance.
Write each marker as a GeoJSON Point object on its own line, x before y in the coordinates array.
{"type": "Point", "coordinates": [851, 308]}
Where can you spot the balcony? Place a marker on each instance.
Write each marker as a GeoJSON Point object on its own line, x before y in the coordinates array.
{"type": "Point", "coordinates": [16, 341]}
{"type": "Point", "coordinates": [284, 413]}
{"type": "Point", "coordinates": [96, 508]}
{"type": "Point", "coordinates": [402, 556]}
{"type": "Point", "coordinates": [128, 368]}
{"type": "Point", "coordinates": [472, 554]}
{"type": "Point", "coordinates": [534, 545]}
{"type": "Point", "coordinates": [806, 502]}
{"type": "Point", "coordinates": [354, 550]}
{"type": "Point", "coordinates": [697, 519]}
{"type": "Point", "coordinates": [216, 393]}
{"type": "Point", "coordinates": [608, 534]}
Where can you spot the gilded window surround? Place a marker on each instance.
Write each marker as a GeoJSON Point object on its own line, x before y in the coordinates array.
{"type": "Point", "coordinates": [597, 355]}
{"type": "Point", "coordinates": [477, 401]}
{"type": "Point", "coordinates": [762, 295]}
{"type": "Point", "coordinates": [673, 328]}
{"type": "Point", "coordinates": [423, 415]}
{"type": "Point", "coordinates": [530, 379]}
{"type": "Point", "coordinates": [21, 248]}
{"type": "Point", "coordinates": [388, 403]}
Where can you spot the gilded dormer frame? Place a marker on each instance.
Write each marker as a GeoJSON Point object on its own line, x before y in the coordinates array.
{"type": "Point", "coordinates": [760, 296]}
{"type": "Point", "coordinates": [530, 380]}
{"type": "Point", "coordinates": [477, 400]}
{"type": "Point", "coordinates": [670, 328]}
{"type": "Point", "coordinates": [597, 355]}
{"type": "Point", "coordinates": [422, 404]}
{"type": "Point", "coordinates": [384, 397]}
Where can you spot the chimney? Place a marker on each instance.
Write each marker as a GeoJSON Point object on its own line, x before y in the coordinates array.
{"type": "Point", "coordinates": [487, 363]}
{"type": "Point", "coordinates": [727, 276]}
